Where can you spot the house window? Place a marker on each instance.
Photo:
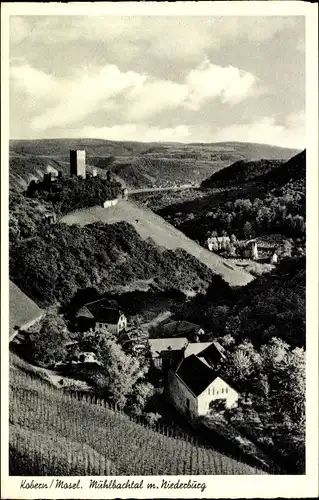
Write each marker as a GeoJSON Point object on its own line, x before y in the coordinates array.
{"type": "Point", "coordinates": [187, 403]}
{"type": "Point", "coordinates": [226, 390]}
{"type": "Point", "coordinates": [222, 391]}
{"type": "Point", "coordinates": [213, 392]}
{"type": "Point", "coordinates": [208, 391]}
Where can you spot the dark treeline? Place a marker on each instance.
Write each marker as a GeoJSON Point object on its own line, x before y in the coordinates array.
{"type": "Point", "coordinates": [273, 305]}
{"type": "Point", "coordinates": [71, 193]}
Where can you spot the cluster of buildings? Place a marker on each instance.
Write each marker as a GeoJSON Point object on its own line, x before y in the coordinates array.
{"type": "Point", "coordinates": [256, 250]}
{"type": "Point", "coordinates": [191, 372]}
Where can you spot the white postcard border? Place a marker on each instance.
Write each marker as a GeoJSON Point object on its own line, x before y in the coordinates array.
{"type": "Point", "coordinates": [217, 486]}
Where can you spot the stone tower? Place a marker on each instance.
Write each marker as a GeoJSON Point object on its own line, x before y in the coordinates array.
{"type": "Point", "coordinates": [77, 163]}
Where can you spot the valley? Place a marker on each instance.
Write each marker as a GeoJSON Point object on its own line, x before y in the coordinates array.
{"type": "Point", "coordinates": [169, 255]}
{"type": "Point", "coordinates": [136, 164]}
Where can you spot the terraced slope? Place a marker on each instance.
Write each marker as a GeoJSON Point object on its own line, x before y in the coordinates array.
{"type": "Point", "coordinates": [52, 433]}
{"type": "Point", "coordinates": [150, 225]}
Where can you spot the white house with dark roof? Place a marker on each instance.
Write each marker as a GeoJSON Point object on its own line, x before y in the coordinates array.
{"type": "Point", "coordinates": [101, 313]}
{"type": "Point", "coordinates": [198, 381]}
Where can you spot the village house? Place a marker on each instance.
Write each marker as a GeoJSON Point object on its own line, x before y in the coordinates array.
{"type": "Point", "coordinates": [186, 329]}
{"type": "Point", "coordinates": [110, 203]}
{"type": "Point", "coordinates": [166, 352]}
{"type": "Point", "coordinates": [262, 251]}
{"type": "Point", "coordinates": [101, 313]}
{"type": "Point", "coordinates": [198, 381]}
{"type": "Point", "coordinates": [216, 243]}
{"type": "Point", "coordinates": [195, 385]}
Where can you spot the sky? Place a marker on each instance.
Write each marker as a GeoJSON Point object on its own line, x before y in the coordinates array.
{"type": "Point", "coordinates": [185, 79]}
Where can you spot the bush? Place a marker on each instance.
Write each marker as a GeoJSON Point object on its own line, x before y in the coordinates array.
{"type": "Point", "coordinates": [152, 418]}
{"type": "Point", "coordinates": [217, 405]}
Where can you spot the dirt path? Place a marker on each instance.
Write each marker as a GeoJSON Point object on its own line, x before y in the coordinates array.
{"type": "Point", "coordinates": [150, 225]}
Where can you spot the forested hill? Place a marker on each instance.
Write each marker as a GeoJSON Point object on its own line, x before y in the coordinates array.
{"type": "Point", "coordinates": [272, 171]}
{"type": "Point", "coordinates": [50, 267]}
{"type": "Point", "coordinates": [248, 199]}
{"type": "Point", "coordinates": [290, 171]}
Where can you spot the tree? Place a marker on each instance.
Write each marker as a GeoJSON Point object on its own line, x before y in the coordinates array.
{"type": "Point", "coordinates": [119, 372]}
{"type": "Point", "coordinates": [248, 230]}
{"type": "Point", "coordinates": [139, 397]}
{"type": "Point", "coordinates": [217, 405]}
{"type": "Point", "coordinates": [47, 340]}
{"type": "Point", "coordinates": [243, 205]}
{"type": "Point", "coordinates": [287, 249]}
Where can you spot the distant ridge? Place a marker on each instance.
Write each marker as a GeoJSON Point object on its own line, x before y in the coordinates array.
{"type": "Point", "coordinates": [138, 164]}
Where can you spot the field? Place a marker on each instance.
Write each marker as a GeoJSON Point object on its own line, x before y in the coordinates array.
{"type": "Point", "coordinates": [150, 225]}
{"type": "Point", "coordinates": [53, 433]}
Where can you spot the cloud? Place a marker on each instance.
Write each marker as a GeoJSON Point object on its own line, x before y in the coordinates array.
{"type": "Point", "coordinates": [155, 96]}
{"type": "Point", "coordinates": [209, 81]}
{"type": "Point", "coordinates": [139, 96]}
{"type": "Point", "coordinates": [32, 81]}
{"type": "Point", "coordinates": [135, 132]}
{"type": "Point", "coordinates": [290, 134]}
{"type": "Point", "coordinates": [75, 97]}
{"type": "Point", "coordinates": [253, 28]}
{"type": "Point", "coordinates": [20, 29]}
{"type": "Point", "coordinates": [166, 38]}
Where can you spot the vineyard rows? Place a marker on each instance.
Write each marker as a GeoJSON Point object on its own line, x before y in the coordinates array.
{"type": "Point", "coordinates": [55, 433]}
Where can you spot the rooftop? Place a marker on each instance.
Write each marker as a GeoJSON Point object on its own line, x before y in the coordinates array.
{"type": "Point", "coordinates": [196, 348]}
{"type": "Point", "coordinates": [166, 344]}
{"type": "Point", "coordinates": [175, 328]}
{"type": "Point", "coordinates": [196, 374]}
{"type": "Point", "coordinates": [101, 310]}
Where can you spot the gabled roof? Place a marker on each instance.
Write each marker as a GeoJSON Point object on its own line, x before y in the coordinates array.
{"type": "Point", "coordinates": [214, 352]}
{"type": "Point", "coordinates": [196, 374]}
{"type": "Point", "coordinates": [102, 310]}
{"type": "Point", "coordinates": [83, 312]}
{"type": "Point", "coordinates": [175, 328]}
{"type": "Point", "coordinates": [166, 344]}
{"type": "Point", "coordinates": [107, 315]}
{"type": "Point", "coordinates": [196, 348]}
{"type": "Point", "coordinates": [22, 309]}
